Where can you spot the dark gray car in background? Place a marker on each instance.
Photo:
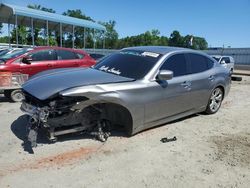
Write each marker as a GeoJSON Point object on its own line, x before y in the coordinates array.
{"type": "Point", "coordinates": [134, 89]}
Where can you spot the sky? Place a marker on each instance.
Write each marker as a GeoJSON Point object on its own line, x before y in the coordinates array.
{"type": "Point", "coordinates": [220, 22]}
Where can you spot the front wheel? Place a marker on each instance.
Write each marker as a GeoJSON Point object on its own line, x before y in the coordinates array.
{"type": "Point", "coordinates": [16, 95]}
{"type": "Point", "coordinates": [215, 101]}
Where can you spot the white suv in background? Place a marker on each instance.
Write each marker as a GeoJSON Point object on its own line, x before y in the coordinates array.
{"type": "Point", "coordinates": [226, 61]}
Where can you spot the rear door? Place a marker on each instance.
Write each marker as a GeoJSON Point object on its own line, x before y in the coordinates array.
{"type": "Point", "coordinates": [202, 78]}
{"type": "Point", "coordinates": [67, 58]}
{"type": "Point", "coordinates": [41, 60]}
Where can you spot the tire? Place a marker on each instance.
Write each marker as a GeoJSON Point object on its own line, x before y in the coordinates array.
{"type": "Point", "coordinates": [215, 101]}
{"type": "Point", "coordinates": [16, 95]}
{"type": "Point", "coordinates": [236, 78]}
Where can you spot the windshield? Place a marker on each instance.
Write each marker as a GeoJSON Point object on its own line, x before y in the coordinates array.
{"type": "Point", "coordinates": [129, 63]}
{"type": "Point", "coordinates": [2, 52]}
{"type": "Point", "coordinates": [14, 53]}
{"type": "Point", "coordinates": [217, 58]}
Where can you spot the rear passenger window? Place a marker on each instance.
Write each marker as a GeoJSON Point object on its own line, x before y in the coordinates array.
{"type": "Point", "coordinates": [198, 63]}
{"type": "Point", "coordinates": [176, 63]}
{"type": "Point", "coordinates": [66, 55]}
{"type": "Point", "coordinates": [79, 56]}
{"type": "Point", "coordinates": [210, 63]}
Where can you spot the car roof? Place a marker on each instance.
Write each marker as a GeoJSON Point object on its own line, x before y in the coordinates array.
{"type": "Point", "coordinates": [219, 56]}
{"type": "Point", "coordinates": [159, 49]}
{"type": "Point", "coordinates": [52, 47]}
{"type": "Point", "coordinates": [60, 48]}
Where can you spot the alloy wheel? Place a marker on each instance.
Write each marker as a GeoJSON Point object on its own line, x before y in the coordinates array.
{"type": "Point", "coordinates": [216, 99]}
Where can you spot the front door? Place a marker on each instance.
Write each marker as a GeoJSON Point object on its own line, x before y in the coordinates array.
{"type": "Point", "coordinates": [39, 61]}
{"type": "Point", "coordinates": [171, 97]}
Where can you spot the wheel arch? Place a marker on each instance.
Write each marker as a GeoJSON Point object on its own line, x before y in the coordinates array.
{"type": "Point", "coordinates": [117, 114]}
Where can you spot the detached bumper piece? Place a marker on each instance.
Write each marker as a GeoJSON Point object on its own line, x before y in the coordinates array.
{"type": "Point", "coordinates": [165, 140]}
{"type": "Point", "coordinates": [32, 133]}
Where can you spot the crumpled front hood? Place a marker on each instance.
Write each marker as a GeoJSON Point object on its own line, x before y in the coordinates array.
{"type": "Point", "coordinates": [49, 83]}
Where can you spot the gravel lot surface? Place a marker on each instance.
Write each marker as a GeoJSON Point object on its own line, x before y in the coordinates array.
{"type": "Point", "coordinates": [210, 151]}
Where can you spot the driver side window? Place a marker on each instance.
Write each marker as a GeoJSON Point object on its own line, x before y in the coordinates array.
{"type": "Point", "coordinates": [43, 55]}
{"type": "Point", "coordinates": [176, 63]}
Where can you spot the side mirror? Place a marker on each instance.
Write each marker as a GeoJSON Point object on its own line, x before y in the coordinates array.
{"type": "Point", "coordinates": [165, 75]}
{"type": "Point", "coordinates": [27, 60]}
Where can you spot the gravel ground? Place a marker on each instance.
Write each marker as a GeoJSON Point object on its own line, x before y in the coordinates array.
{"type": "Point", "coordinates": [210, 151]}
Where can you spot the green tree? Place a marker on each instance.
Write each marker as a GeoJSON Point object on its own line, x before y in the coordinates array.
{"type": "Point", "coordinates": [77, 14]}
{"type": "Point", "coordinates": [34, 6]}
{"type": "Point", "coordinates": [145, 39]}
{"type": "Point", "coordinates": [79, 32]}
{"type": "Point", "coordinates": [163, 41]}
{"type": "Point", "coordinates": [39, 7]}
{"type": "Point", "coordinates": [187, 41]}
{"type": "Point", "coordinates": [1, 27]}
{"type": "Point", "coordinates": [176, 39]}
{"type": "Point", "coordinates": [4, 39]}
{"type": "Point", "coordinates": [22, 35]}
{"type": "Point", "coordinates": [37, 31]}
{"type": "Point", "coordinates": [200, 43]}
{"type": "Point", "coordinates": [111, 35]}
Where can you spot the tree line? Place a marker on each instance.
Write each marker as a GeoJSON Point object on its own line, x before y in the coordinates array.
{"type": "Point", "coordinates": [96, 39]}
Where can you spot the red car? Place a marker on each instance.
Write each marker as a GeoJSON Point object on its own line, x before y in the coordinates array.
{"type": "Point", "coordinates": [33, 60]}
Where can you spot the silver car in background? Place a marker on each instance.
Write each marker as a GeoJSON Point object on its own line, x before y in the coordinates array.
{"type": "Point", "coordinates": [226, 61]}
{"type": "Point", "coordinates": [134, 89]}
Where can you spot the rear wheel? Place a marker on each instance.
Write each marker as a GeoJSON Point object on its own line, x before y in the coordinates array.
{"type": "Point", "coordinates": [215, 101]}
{"type": "Point", "coordinates": [16, 95]}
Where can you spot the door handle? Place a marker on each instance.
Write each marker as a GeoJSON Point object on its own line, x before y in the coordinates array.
{"type": "Point", "coordinates": [186, 84]}
{"type": "Point", "coordinates": [211, 78]}
{"type": "Point", "coordinates": [49, 65]}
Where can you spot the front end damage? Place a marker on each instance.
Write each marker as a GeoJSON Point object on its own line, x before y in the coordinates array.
{"type": "Point", "coordinates": [64, 115]}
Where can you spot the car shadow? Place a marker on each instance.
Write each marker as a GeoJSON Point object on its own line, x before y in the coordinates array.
{"type": "Point", "coordinates": [185, 118]}
{"type": "Point", "coordinates": [171, 122]}
{"type": "Point", "coordinates": [20, 129]}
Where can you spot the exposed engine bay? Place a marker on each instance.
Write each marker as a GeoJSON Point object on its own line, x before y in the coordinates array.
{"type": "Point", "coordinates": [64, 115]}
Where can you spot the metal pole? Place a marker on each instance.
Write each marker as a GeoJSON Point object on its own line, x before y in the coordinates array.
{"type": "Point", "coordinates": [73, 37]}
{"type": "Point", "coordinates": [47, 32]}
{"type": "Point", "coordinates": [9, 34]}
{"type": "Point", "coordinates": [16, 26]}
{"type": "Point", "coordinates": [32, 32]}
{"type": "Point", "coordinates": [61, 34]}
{"type": "Point", "coordinates": [84, 38]}
{"type": "Point", "coordinates": [104, 40]}
{"type": "Point", "coordinates": [94, 38]}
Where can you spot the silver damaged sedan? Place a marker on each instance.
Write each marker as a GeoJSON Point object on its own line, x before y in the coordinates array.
{"type": "Point", "coordinates": [132, 90]}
